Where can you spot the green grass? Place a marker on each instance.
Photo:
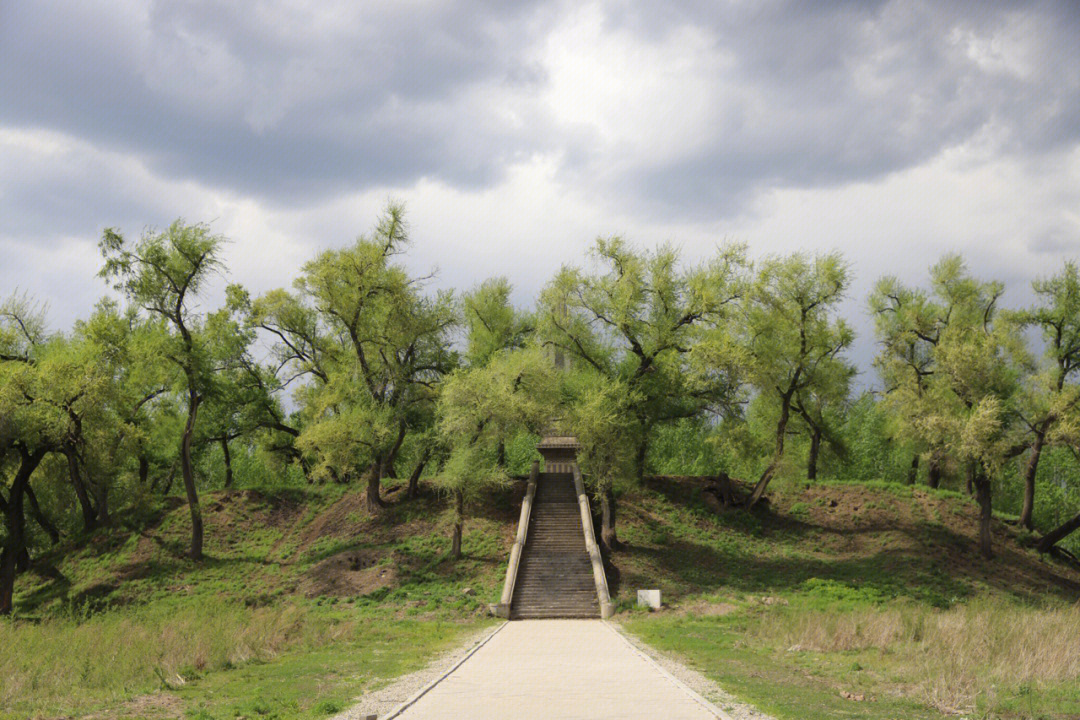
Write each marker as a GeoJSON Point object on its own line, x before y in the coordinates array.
{"type": "Point", "coordinates": [788, 686]}
{"type": "Point", "coordinates": [926, 628]}
{"type": "Point", "coordinates": [212, 660]}
{"type": "Point", "coordinates": [124, 623]}
{"type": "Point", "coordinates": [122, 619]}
{"type": "Point", "coordinates": [992, 659]}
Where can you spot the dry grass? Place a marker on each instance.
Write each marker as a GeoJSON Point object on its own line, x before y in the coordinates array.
{"type": "Point", "coordinates": [116, 654]}
{"type": "Point", "coordinates": [951, 657]}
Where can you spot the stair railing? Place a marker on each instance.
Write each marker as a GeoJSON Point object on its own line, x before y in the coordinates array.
{"type": "Point", "coordinates": [502, 608]}
{"type": "Point", "coordinates": [607, 608]}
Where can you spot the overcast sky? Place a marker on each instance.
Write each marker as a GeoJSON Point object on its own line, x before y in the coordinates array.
{"type": "Point", "coordinates": [518, 132]}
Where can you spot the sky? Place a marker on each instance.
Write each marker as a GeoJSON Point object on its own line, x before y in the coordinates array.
{"type": "Point", "coordinates": [518, 132]}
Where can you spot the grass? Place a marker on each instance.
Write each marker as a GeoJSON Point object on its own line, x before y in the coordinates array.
{"type": "Point", "coordinates": [305, 600]}
{"type": "Point", "coordinates": [216, 660]}
{"type": "Point", "coordinates": [989, 659]}
{"type": "Point", "coordinates": [871, 590]}
{"type": "Point", "coordinates": [273, 623]}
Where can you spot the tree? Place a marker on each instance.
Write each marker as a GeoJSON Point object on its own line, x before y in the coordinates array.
{"type": "Point", "coordinates": [492, 324]}
{"type": "Point", "coordinates": [822, 407]}
{"type": "Point", "coordinates": [477, 408]}
{"type": "Point", "coordinates": [375, 346]}
{"type": "Point", "coordinates": [239, 401]}
{"type": "Point", "coordinates": [978, 356]}
{"type": "Point", "coordinates": [653, 326]}
{"type": "Point", "coordinates": [794, 342]}
{"type": "Point", "coordinates": [639, 320]}
{"type": "Point", "coordinates": [1048, 394]}
{"type": "Point", "coordinates": [162, 273]}
{"type": "Point", "coordinates": [908, 325]}
{"type": "Point", "coordinates": [604, 429]}
{"type": "Point", "coordinates": [27, 428]}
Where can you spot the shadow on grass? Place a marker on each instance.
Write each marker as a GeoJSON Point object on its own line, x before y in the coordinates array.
{"type": "Point", "coordinates": [683, 544]}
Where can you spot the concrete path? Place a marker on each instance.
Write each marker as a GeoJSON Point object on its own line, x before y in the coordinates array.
{"type": "Point", "coordinates": [558, 670]}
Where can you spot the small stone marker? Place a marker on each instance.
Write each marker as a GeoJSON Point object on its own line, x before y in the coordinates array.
{"type": "Point", "coordinates": [649, 598]}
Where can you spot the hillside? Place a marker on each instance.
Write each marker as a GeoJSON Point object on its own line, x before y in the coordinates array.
{"type": "Point", "coordinates": [889, 541]}
{"type": "Point", "coordinates": [315, 563]}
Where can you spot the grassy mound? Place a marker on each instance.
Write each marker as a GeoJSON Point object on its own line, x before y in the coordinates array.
{"type": "Point", "coordinates": [304, 600]}
{"type": "Point", "coordinates": [826, 594]}
{"type": "Point", "coordinates": [860, 601]}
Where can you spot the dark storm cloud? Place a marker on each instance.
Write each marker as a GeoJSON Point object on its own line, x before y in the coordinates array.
{"type": "Point", "coordinates": [291, 103]}
{"type": "Point", "coordinates": [271, 99]}
{"type": "Point", "coordinates": [855, 91]}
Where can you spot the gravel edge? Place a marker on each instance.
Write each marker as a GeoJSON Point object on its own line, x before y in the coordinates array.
{"type": "Point", "coordinates": [386, 699]}
{"type": "Point", "coordinates": [694, 680]}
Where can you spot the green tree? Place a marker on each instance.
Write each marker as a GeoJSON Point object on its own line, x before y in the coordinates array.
{"type": "Point", "coordinates": [641, 320]}
{"type": "Point", "coordinates": [604, 427]}
{"type": "Point", "coordinates": [239, 402]}
{"type": "Point", "coordinates": [492, 324]}
{"type": "Point", "coordinates": [822, 409]}
{"type": "Point", "coordinates": [374, 347]}
{"type": "Point", "coordinates": [27, 429]}
{"type": "Point", "coordinates": [659, 329]}
{"type": "Point", "coordinates": [1049, 394]}
{"type": "Point", "coordinates": [479, 407]}
{"type": "Point", "coordinates": [162, 273]}
{"type": "Point", "coordinates": [979, 357]}
{"type": "Point", "coordinates": [908, 324]}
{"type": "Point", "coordinates": [793, 339]}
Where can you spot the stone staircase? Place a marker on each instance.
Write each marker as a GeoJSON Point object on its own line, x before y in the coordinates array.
{"type": "Point", "coordinates": [555, 579]}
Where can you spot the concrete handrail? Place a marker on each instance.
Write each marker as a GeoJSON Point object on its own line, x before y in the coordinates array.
{"type": "Point", "coordinates": [502, 609]}
{"type": "Point", "coordinates": [607, 608]}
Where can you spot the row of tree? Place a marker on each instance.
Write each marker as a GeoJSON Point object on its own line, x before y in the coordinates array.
{"type": "Point", "coordinates": [360, 372]}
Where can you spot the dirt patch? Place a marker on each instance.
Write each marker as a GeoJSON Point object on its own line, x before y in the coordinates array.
{"type": "Point", "coordinates": [339, 520]}
{"type": "Point", "coordinates": [349, 574]}
{"type": "Point", "coordinates": [708, 609]}
{"type": "Point", "coordinates": [154, 705]}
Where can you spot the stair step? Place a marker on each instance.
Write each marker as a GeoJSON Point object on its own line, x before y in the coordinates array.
{"type": "Point", "coordinates": [555, 576]}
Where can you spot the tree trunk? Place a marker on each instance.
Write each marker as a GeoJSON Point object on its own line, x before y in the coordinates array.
{"type": "Point", "coordinates": [778, 453]}
{"type": "Point", "coordinates": [969, 478]}
{"type": "Point", "coordinates": [1030, 470]}
{"type": "Point", "coordinates": [815, 449]}
{"type": "Point", "coordinates": [913, 471]}
{"type": "Point", "coordinates": [15, 521]}
{"type": "Point", "coordinates": [101, 492]}
{"type": "Point", "coordinates": [22, 562]}
{"type": "Point", "coordinates": [386, 468]}
{"type": "Point", "coordinates": [188, 473]}
{"type": "Point", "coordinates": [608, 535]}
{"type": "Point", "coordinates": [88, 512]}
{"type": "Point", "coordinates": [144, 469]}
{"type": "Point", "coordinates": [459, 522]}
{"type": "Point", "coordinates": [373, 500]}
{"type": "Point", "coordinates": [414, 478]}
{"type": "Point", "coordinates": [933, 473]}
{"type": "Point", "coordinates": [228, 460]}
{"type": "Point", "coordinates": [169, 478]}
{"type": "Point", "coordinates": [1057, 534]}
{"type": "Point", "coordinates": [982, 490]}
{"type": "Point", "coordinates": [639, 458]}
{"type": "Point", "coordinates": [500, 455]}
{"type": "Point", "coordinates": [42, 520]}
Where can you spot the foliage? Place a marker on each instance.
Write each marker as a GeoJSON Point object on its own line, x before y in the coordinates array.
{"type": "Point", "coordinates": [659, 330]}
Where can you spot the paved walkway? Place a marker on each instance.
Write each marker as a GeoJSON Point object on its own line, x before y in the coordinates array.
{"type": "Point", "coordinates": [557, 670]}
